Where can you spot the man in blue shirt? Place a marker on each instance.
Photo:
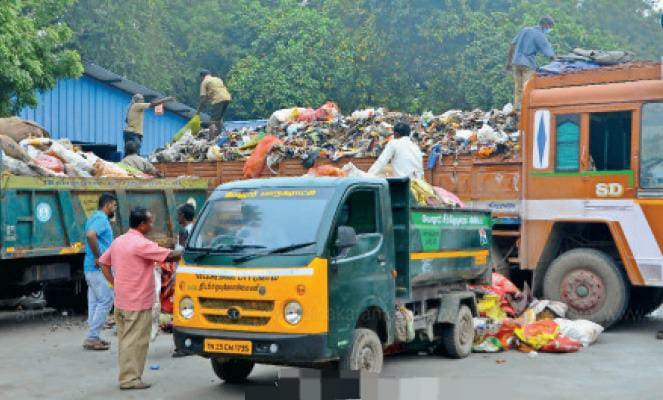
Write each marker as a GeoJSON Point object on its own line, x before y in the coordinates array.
{"type": "Point", "coordinates": [522, 54]}
{"type": "Point", "coordinates": [98, 238]}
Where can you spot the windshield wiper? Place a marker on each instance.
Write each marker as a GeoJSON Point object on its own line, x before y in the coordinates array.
{"type": "Point", "coordinates": [277, 250]}
{"type": "Point", "coordinates": [224, 248]}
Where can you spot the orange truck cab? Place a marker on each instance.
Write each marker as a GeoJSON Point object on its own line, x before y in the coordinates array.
{"type": "Point", "coordinates": [580, 208]}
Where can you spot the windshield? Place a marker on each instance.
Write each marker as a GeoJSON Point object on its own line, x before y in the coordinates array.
{"type": "Point", "coordinates": [651, 170]}
{"type": "Point", "coordinates": [237, 222]}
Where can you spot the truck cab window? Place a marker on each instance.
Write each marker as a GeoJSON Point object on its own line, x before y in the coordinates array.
{"type": "Point", "coordinates": [568, 142]}
{"type": "Point", "coordinates": [610, 141]}
{"type": "Point", "coordinates": [360, 212]}
{"type": "Point", "coordinates": [651, 147]}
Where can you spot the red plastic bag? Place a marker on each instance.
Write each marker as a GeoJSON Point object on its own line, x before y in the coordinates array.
{"type": "Point", "coordinates": [501, 286]}
{"type": "Point", "coordinates": [256, 163]}
{"type": "Point", "coordinates": [327, 112]}
{"type": "Point", "coordinates": [562, 344]}
{"type": "Point", "coordinates": [308, 115]}
{"type": "Point", "coordinates": [167, 286]}
{"type": "Point", "coordinates": [326, 170]}
{"type": "Point", "coordinates": [49, 162]}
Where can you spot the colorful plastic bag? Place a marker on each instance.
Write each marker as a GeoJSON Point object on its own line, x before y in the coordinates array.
{"type": "Point", "coordinates": [538, 334]}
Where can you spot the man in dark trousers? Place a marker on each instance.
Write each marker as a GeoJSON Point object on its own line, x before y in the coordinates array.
{"type": "Point", "coordinates": [213, 92]}
{"type": "Point", "coordinates": [522, 54]}
{"type": "Point", "coordinates": [135, 115]}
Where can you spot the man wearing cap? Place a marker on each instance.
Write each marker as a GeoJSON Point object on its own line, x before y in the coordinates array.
{"type": "Point", "coordinates": [135, 113]}
{"type": "Point", "coordinates": [522, 54]}
{"type": "Point", "coordinates": [214, 92]}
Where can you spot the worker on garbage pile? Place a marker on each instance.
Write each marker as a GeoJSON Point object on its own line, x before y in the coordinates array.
{"type": "Point", "coordinates": [132, 159]}
{"type": "Point", "coordinates": [128, 265]}
{"type": "Point", "coordinates": [404, 155]}
{"type": "Point", "coordinates": [522, 54]}
{"type": "Point", "coordinates": [213, 92]}
{"type": "Point", "coordinates": [98, 238]}
{"type": "Point", "coordinates": [135, 113]}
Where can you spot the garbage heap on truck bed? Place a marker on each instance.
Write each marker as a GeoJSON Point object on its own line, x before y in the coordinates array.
{"type": "Point", "coordinates": [27, 150]}
{"type": "Point", "coordinates": [308, 134]}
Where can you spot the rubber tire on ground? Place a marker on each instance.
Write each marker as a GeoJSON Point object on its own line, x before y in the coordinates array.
{"type": "Point", "coordinates": [362, 338]}
{"type": "Point", "coordinates": [642, 302]}
{"type": "Point", "coordinates": [616, 286]}
{"type": "Point", "coordinates": [233, 370]}
{"type": "Point", "coordinates": [454, 342]}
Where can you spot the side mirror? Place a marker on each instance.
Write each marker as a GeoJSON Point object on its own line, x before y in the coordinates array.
{"type": "Point", "coordinates": [346, 238]}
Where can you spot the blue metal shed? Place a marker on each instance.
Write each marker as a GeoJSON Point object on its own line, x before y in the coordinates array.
{"type": "Point", "coordinates": [93, 109]}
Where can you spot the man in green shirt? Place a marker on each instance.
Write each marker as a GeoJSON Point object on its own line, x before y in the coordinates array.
{"type": "Point", "coordinates": [135, 114]}
{"type": "Point", "coordinates": [214, 92]}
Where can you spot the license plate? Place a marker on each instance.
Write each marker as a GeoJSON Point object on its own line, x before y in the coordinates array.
{"type": "Point", "coordinates": [228, 346]}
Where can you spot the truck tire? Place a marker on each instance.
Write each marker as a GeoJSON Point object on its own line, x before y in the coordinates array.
{"type": "Point", "coordinates": [457, 338]}
{"type": "Point", "coordinates": [590, 283]}
{"type": "Point", "coordinates": [642, 302]}
{"type": "Point", "coordinates": [232, 371]}
{"type": "Point", "coordinates": [364, 354]}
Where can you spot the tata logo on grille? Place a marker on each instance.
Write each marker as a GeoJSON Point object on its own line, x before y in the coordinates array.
{"type": "Point", "coordinates": [233, 314]}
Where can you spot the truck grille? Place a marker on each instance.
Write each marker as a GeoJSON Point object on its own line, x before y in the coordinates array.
{"type": "Point", "coordinates": [224, 319]}
{"type": "Point", "coordinates": [248, 305]}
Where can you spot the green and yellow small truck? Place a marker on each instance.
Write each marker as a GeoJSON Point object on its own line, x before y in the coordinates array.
{"type": "Point", "coordinates": [311, 272]}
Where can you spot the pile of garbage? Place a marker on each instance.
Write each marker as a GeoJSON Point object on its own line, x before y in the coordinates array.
{"type": "Point", "coordinates": [308, 134]}
{"type": "Point", "coordinates": [514, 319]}
{"type": "Point", "coordinates": [28, 151]}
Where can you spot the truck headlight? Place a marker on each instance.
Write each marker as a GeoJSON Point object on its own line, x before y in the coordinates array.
{"type": "Point", "coordinates": [293, 313]}
{"type": "Point", "coordinates": [186, 308]}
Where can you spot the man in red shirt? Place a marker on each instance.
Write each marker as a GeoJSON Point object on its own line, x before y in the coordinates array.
{"type": "Point", "coordinates": [131, 257]}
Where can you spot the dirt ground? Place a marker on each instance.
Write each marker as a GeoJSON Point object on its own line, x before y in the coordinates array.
{"type": "Point", "coordinates": [42, 358]}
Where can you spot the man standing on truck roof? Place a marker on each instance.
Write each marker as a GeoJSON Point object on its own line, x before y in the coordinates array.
{"type": "Point", "coordinates": [404, 156]}
{"type": "Point", "coordinates": [133, 159]}
{"type": "Point", "coordinates": [132, 257]}
{"type": "Point", "coordinates": [522, 54]}
{"type": "Point", "coordinates": [98, 238]}
{"type": "Point", "coordinates": [135, 114]}
{"type": "Point", "coordinates": [214, 92]}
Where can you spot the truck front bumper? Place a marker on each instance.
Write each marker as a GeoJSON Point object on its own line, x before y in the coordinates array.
{"type": "Point", "coordinates": [290, 349]}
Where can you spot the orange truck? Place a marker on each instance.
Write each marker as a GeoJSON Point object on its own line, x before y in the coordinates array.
{"type": "Point", "coordinates": [580, 210]}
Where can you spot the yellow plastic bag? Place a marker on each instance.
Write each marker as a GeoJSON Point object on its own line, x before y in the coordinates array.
{"type": "Point", "coordinates": [538, 334]}
{"type": "Point", "coordinates": [489, 306]}
{"type": "Point", "coordinates": [193, 125]}
{"type": "Point", "coordinates": [421, 191]}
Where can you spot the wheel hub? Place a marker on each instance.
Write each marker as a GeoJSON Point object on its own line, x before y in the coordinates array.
{"type": "Point", "coordinates": [583, 290]}
{"type": "Point", "coordinates": [366, 359]}
{"type": "Point", "coordinates": [466, 331]}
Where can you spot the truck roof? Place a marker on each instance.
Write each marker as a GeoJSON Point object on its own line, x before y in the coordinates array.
{"type": "Point", "coordinates": [629, 72]}
{"type": "Point", "coordinates": [299, 182]}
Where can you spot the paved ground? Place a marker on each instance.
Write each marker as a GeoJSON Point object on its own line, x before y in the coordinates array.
{"type": "Point", "coordinates": [41, 357]}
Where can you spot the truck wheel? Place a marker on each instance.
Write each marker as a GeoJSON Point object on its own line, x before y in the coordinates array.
{"type": "Point", "coordinates": [642, 302]}
{"type": "Point", "coordinates": [364, 354]}
{"type": "Point", "coordinates": [457, 338]}
{"type": "Point", "coordinates": [232, 371]}
{"type": "Point", "coordinates": [590, 283]}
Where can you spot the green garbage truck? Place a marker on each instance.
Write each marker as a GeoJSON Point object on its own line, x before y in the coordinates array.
{"type": "Point", "coordinates": [42, 223]}
{"type": "Point", "coordinates": [327, 271]}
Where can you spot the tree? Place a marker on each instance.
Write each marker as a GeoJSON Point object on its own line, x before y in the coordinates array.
{"type": "Point", "coordinates": [33, 53]}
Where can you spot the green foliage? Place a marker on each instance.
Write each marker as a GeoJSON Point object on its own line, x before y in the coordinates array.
{"type": "Point", "coordinates": [413, 55]}
{"type": "Point", "coordinates": [32, 51]}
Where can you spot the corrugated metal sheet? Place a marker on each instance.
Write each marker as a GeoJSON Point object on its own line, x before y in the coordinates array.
{"type": "Point", "coordinates": [88, 110]}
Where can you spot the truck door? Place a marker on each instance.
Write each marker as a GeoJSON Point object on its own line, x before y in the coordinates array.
{"type": "Point", "coordinates": [361, 278]}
